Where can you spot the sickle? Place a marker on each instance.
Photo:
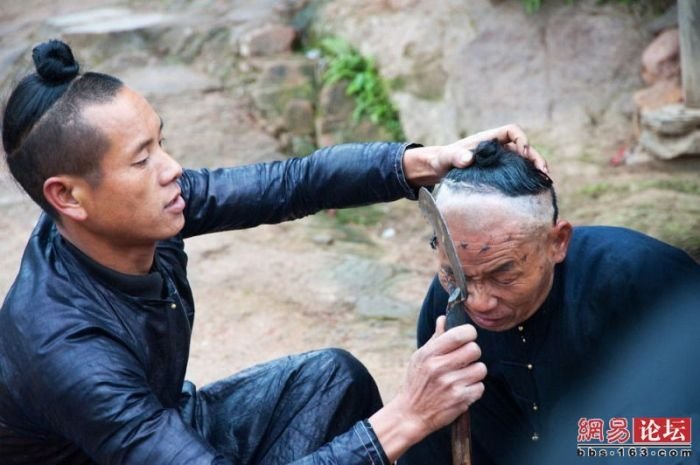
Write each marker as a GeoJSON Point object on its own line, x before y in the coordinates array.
{"type": "Point", "coordinates": [461, 430]}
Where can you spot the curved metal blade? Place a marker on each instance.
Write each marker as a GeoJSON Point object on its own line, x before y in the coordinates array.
{"type": "Point", "coordinates": [434, 217]}
{"type": "Point", "coordinates": [461, 431]}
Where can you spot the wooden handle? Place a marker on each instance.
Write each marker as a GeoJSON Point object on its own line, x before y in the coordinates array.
{"type": "Point", "coordinates": [462, 441]}
{"type": "Point", "coordinates": [461, 429]}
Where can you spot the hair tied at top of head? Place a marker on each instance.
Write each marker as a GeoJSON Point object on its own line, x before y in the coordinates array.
{"type": "Point", "coordinates": [54, 61]}
{"type": "Point", "coordinates": [486, 153]}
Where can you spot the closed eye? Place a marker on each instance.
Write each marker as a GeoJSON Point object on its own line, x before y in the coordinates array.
{"type": "Point", "coordinates": [504, 281]}
{"type": "Point", "coordinates": [141, 162]}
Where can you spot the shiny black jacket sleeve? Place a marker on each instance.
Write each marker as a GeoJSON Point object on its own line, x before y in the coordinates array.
{"type": "Point", "coordinates": [334, 177]}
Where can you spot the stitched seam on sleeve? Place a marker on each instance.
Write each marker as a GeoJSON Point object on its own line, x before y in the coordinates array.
{"type": "Point", "coordinates": [369, 452]}
{"type": "Point", "coordinates": [398, 169]}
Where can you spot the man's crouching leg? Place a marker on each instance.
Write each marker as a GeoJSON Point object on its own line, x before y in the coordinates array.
{"type": "Point", "coordinates": [280, 411]}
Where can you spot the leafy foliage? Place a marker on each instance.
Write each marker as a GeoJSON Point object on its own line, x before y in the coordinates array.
{"type": "Point", "coordinates": [365, 84]}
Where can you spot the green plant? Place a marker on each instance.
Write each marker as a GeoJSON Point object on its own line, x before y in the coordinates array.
{"type": "Point", "coordinates": [365, 84]}
{"type": "Point", "coordinates": [531, 6]}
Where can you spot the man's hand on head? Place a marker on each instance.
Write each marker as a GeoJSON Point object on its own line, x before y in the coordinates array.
{"type": "Point", "coordinates": [425, 166]}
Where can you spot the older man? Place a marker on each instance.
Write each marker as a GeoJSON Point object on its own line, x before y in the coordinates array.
{"type": "Point", "coordinates": [548, 299]}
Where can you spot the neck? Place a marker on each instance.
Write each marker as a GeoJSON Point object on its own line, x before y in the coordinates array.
{"type": "Point", "coordinates": [124, 258]}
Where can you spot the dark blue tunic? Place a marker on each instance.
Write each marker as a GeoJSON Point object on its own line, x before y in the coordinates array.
{"type": "Point", "coordinates": [610, 281]}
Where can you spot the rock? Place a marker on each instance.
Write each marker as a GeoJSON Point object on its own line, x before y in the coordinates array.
{"type": "Point", "coordinates": [322, 239]}
{"type": "Point", "coordinates": [672, 120]}
{"type": "Point", "coordinates": [335, 107]}
{"type": "Point", "coordinates": [302, 146]}
{"type": "Point", "coordinates": [103, 33]}
{"type": "Point", "coordinates": [383, 307]}
{"type": "Point", "coordinates": [457, 71]}
{"type": "Point", "coordinates": [671, 132]}
{"type": "Point", "coordinates": [388, 233]}
{"type": "Point", "coordinates": [595, 77]}
{"type": "Point", "coordinates": [270, 39]}
{"type": "Point", "coordinates": [167, 80]}
{"type": "Point", "coordinates": [669, 147]}
{"type": "Point", "coordinates": [661, 58]}
{"type": "Point", "coordinates": [299, 117]}
{"type": "Point", "coordinates": [401, 4]}
{"type": "Point", "coordinates": [660, 94]}
{"type": "Point", "coordinates": [667, 20]}
{"type": "Point", "coordinates": [106, 20]}
{"type": "Point", "coordinates": [282, 81]}
{"type": "Point", "coordinates": [259, 12]}
{"type": "Point", "coordinates": [334, 119]}
{"type": "Point", "coordinates": [416, 65]}
{"type": "Point", "coordinates": [429, 121]}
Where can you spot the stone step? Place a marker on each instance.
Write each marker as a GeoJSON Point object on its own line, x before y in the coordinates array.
{"type": "Point", "coordinates": [168, 80]}
{"type": "Point", "coordinates": [107, 20]}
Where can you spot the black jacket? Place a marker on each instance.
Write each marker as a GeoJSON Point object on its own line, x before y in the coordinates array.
{"type": "Point", "coordinates": [90, 374]}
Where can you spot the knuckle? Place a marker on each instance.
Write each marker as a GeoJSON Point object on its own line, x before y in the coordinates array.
{"type": "Point", "coordinates": [432, 366]}
{"type": "Point", "coordinates": [416, 356]}
{"type": "Point", "coordinates": [471, 331]}
{"type": "Point", "coordinates": [478, 390]}
{"type": "Point", "coordinates": [474, 350]}
{"type": "Point", "coordinates": [481, 370]}
{"type": "Point", "coordinates": [458, 391]}
{"type": "Point", "coordinates": [476, 372]}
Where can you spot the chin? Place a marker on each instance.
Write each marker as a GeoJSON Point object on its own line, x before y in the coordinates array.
{"type": "Point", "coordinates": [173, 230]}
{"type": "Point", "coordinates": [490, 324]}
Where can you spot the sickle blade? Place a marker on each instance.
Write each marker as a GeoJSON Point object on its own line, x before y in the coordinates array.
{"type": "Point", "coordinates": [461, 428]}
{"type": "Point", "coordinates": [436, 220]}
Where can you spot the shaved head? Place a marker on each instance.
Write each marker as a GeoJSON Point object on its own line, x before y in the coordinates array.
{"type": "Point", "coordinates": [484, 210]}
{"type": "Point", "coordinates": [499, 186]}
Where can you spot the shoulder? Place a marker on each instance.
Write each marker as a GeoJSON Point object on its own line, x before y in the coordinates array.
{"type": "Point", "coordinates": [618, 247]}
{"type": "Point", "coordinates": [51, 296]}
{"type": "Point", "coordinates": [624, 265]}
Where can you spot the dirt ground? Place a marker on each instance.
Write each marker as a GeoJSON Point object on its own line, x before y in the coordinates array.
{"type": "Point", "coordinates": [281, 289]}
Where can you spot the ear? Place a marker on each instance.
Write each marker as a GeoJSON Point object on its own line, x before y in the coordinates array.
{"type": "Point", "coordinates": [559, 237]}
{"type": "Point", "coordinates": [65, 194]}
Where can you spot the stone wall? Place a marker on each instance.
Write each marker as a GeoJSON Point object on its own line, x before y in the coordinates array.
{"type": "Point", "coordinates": [566, 73]}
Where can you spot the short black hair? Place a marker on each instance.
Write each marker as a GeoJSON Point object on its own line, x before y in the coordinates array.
{"type": "Point", "coordinates": [498, 168]}
{"type": "Point", "coordinates": [43, 132]}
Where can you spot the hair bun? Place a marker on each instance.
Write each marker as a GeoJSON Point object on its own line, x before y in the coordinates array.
{"type": "Point", "coordinates": [487, 153]}
{"type": "Point", "coordinates": [54, 61]}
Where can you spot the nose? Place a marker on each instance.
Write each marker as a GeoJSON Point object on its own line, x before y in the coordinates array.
{"type": "Point", "coordinates": [480, 299]}
{"type": "Point", "coordinates": [171, 170]}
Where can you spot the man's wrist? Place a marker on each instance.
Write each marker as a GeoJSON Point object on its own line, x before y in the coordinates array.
{"type": "Point", "coordinates": [395, 430]}
{"type": "Point", "coordinates": [421, 165]}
